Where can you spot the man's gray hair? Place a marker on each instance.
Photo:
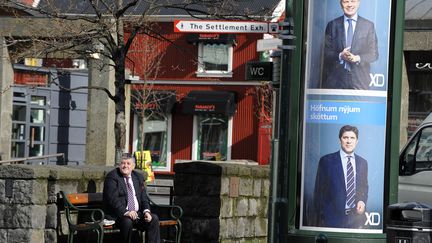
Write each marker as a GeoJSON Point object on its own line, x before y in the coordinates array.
{"type": "Point", "coordinates": [125, 156]}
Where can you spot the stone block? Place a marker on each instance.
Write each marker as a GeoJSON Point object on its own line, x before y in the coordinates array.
{"type": "Point", "coordinates": [263, 207]}
{"type": "Point", "coordinates": [50, 236]}
{"type": "Point", "coordinates": [227, 207]}
{"type": "Point", "coordinates": [260, 226]}
{"type": "Point", "coordinates": [51, 216]}
{"type": "Point", "coordinates": [66, 173]}
{"type": "Point", "coordinates": [197, 206]}
{"type": "Point", "coordinates": [25, 216]}
{"type": "Point", "coordinates": [232, 170]}
{"type": "Point", "coordinates": [241, 206]}
{"type": "Point", "coordinates": [51, 191]}
{"type": "Point", "coordinates": [243, 228]}
{"type": "Point", "coordinates": [2, 214]}
{"type": "Point", "coordinates": [245, 171]}
{"type": "Point", "coordinates": [257, 187]}
{"type": "Point", "coordinates": [24, 172]}
{"type": "Point", "coordinates": [2, 191]}
{"type": "Point", "coordinates": [68, 186]}
{"type": "Point", "coordinates": [194, 168]}
{"type": "Point", "coordinates": [253, 207]}
{"type": "Point", "coordinates": [3, 235]}
{"type": "Point", "coordinates": [246, 186]}
{"type": "Point", "coordinates": [227, 228]}
{"type": "Point", "coordinates": [197, 184]}
{"type": "Point", "coordinates": [25, 235]}
{"type": "Point", "coordinates": [225, 186]}
{"type": "Point", "coordinates": [417, 40]}
{"type": "Point", "coordinates": [30, 191]}
{"type": "Point", "coordinates": [205, 230]}
{"type": "Point", "coordinates": [265, 188]}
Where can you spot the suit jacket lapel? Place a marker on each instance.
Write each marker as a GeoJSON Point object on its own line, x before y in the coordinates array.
{"type": "Point", "coordinates": [339, 175]}
{"type": "Point", "coordinates": [341, 32]}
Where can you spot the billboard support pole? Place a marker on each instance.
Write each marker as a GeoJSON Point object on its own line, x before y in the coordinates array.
{"type": "Point", "coordinates": [278, 220]}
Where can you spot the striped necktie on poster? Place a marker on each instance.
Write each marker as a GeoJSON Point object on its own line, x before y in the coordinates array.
{"type": "Point", "coordinates": [131, 204]}
{"type": "Point", "coordinates": [350, 34]}
{"type": "Point", "coordinates": [350, 184]}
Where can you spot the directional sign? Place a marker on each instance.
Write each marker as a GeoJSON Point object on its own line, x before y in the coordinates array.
{"type": "Point", "coordinates": [210, 26]}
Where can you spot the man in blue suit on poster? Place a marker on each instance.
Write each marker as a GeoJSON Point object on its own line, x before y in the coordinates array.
{"type": "Point", "coordinates": [350, 46]}
{"type": "Point", "coordinates": [341, 185]}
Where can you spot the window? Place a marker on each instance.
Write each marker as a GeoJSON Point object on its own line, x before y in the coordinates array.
{"type": "Point", "coordinates": [418, 154]}
{"type": "Point", "coordinates": [420, 88]}
{"type": "Point", "coordinates": [212, 138]}
{"type": "Point", "coordinates": [214, 60]}
{"type": "Point", "coordinates": [156, 139]}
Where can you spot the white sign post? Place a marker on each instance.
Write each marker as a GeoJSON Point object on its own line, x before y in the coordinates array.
{"type": "Point", "coordinates": [213, 26]}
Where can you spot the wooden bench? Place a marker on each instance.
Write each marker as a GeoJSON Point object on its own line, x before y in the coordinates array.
{"type": "Point", "coordinates": [91, 204]}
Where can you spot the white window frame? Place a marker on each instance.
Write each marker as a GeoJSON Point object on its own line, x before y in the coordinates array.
{"type": "Point", "coordinates": [214, 73]}
{"type": "Point", "coordinates": [168, 146]}
{"type": "Point", "coordinates": [195, 138]}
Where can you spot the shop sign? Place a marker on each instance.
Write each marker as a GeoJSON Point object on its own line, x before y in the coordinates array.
{"type": "Point", "coordinates": [262, 71]}
{"type": "Point", "coordinates": [420, 67]}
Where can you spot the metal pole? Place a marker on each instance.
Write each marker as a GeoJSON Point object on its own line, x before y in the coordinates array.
{"type": "Point", "coordinates": [278, 214]}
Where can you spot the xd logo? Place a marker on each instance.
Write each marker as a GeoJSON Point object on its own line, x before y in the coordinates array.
{"type": "Point", "coordinates": [373, 219]}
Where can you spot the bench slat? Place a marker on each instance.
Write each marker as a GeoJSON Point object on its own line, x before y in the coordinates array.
{"type": "Point", "coordinates": [80, 199]}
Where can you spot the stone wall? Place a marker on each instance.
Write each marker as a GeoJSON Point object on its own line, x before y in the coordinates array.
{"type": "Point", "coordinates": [28, 199]}
{"type": "Point", "coordinates": [222, 201]}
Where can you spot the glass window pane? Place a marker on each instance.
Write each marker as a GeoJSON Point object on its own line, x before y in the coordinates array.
{"type": "Point", "coordinates": [17, 150]}
{"type": "Point", "coordinates": [424, 150]}
{"type": "Point", "coordinates": [19, 113]}
{"type": "Point", "coordinates": [215, 57]}
{"type": "Point", "coordinates": [213, 136]}
{"type": "Point", "coordinates": [38, 100]}
{"type": "Point", "coordinates": [36, 150]}
{"type": "Point", "coordinates": [37, 115]}
{"type": "Point", "coordinates": [18, 131]}
{"type": "Point", "coordinates": [37, 134]}
{"type": "Point", "coordinates": [155, 138]}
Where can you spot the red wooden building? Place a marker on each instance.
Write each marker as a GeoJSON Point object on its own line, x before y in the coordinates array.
{"type": "Point", "coordinates": [218, 114]}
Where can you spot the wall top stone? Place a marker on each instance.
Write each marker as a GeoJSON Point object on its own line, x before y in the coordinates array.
{"type": "Point", "coordinates": [228, 168]}
{"type": "Point", "coordinates": [52, 172]}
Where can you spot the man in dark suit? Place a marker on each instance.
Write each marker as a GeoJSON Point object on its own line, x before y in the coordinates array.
{"type": "Point", "coordinates": [341, 185]}
{"type": "Point", "coordinates": [126, 202]}
{"type": "Point", "coordinates": [350, 46]}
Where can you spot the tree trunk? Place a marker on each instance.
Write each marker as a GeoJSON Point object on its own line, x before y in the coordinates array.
{"type": "Point", "coordinates": [120, 121]}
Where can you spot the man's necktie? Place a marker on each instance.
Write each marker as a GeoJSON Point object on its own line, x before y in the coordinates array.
{"type": "Point", "coordinates": [131, 203]}
{"type": "Point", "coordinates": [350, 33]}
{"type": "Point", "coordinates": [350, 184]}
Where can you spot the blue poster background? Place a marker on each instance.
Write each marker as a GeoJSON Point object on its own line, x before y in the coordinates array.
{"type": "Point", "coordinates": [323, 11]}
{"type": "Point", "coordinates": [368, 114]}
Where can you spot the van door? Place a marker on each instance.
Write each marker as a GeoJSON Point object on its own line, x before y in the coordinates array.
{"type": "Point", "coordinates": [415, 163]}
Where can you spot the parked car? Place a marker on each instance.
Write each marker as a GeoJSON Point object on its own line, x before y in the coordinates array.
{"type": "Point", "coordinates": [415, 166]}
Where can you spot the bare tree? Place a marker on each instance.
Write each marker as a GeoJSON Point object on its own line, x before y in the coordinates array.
{"type": "Point", "coordinates": [97, 28]}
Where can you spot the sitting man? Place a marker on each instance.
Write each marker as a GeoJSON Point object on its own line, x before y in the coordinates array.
{"type": "Point", "coordinates": [126, 202]}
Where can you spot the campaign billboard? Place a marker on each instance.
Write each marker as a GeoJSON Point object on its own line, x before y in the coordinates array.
{"type": "Point", "coordinates": [345, 115]}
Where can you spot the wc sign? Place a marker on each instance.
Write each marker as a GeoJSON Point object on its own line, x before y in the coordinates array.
{"type": "Point", "coordinates": [261, 71]}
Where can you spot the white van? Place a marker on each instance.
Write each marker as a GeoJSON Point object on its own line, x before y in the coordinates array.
{"type": "Point", "coordinates": [415, 166]}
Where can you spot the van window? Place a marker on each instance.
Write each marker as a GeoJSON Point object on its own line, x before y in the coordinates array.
{"type": "Point", "coordinates": [418, 153]}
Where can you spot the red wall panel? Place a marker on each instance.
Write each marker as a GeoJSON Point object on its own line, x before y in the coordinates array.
{"type": "Point", "coordinates": [178, 59]}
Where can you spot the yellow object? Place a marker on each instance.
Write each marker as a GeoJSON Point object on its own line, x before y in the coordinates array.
{"type": "Point", "coordinates": [143, 161]}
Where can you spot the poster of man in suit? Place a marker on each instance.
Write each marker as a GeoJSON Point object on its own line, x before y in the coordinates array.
{"type": "Point", "coordinates": [338, 60]}
{"type": "Point", "coordinates": [345, 115]}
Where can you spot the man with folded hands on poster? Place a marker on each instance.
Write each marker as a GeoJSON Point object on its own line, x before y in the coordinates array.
{"type": "Point", "coordinates": [350, 46]}
{"type": "Point", "coordinates": [126, 202]}
{"type": "Point", "coordinates": [341, 185]}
